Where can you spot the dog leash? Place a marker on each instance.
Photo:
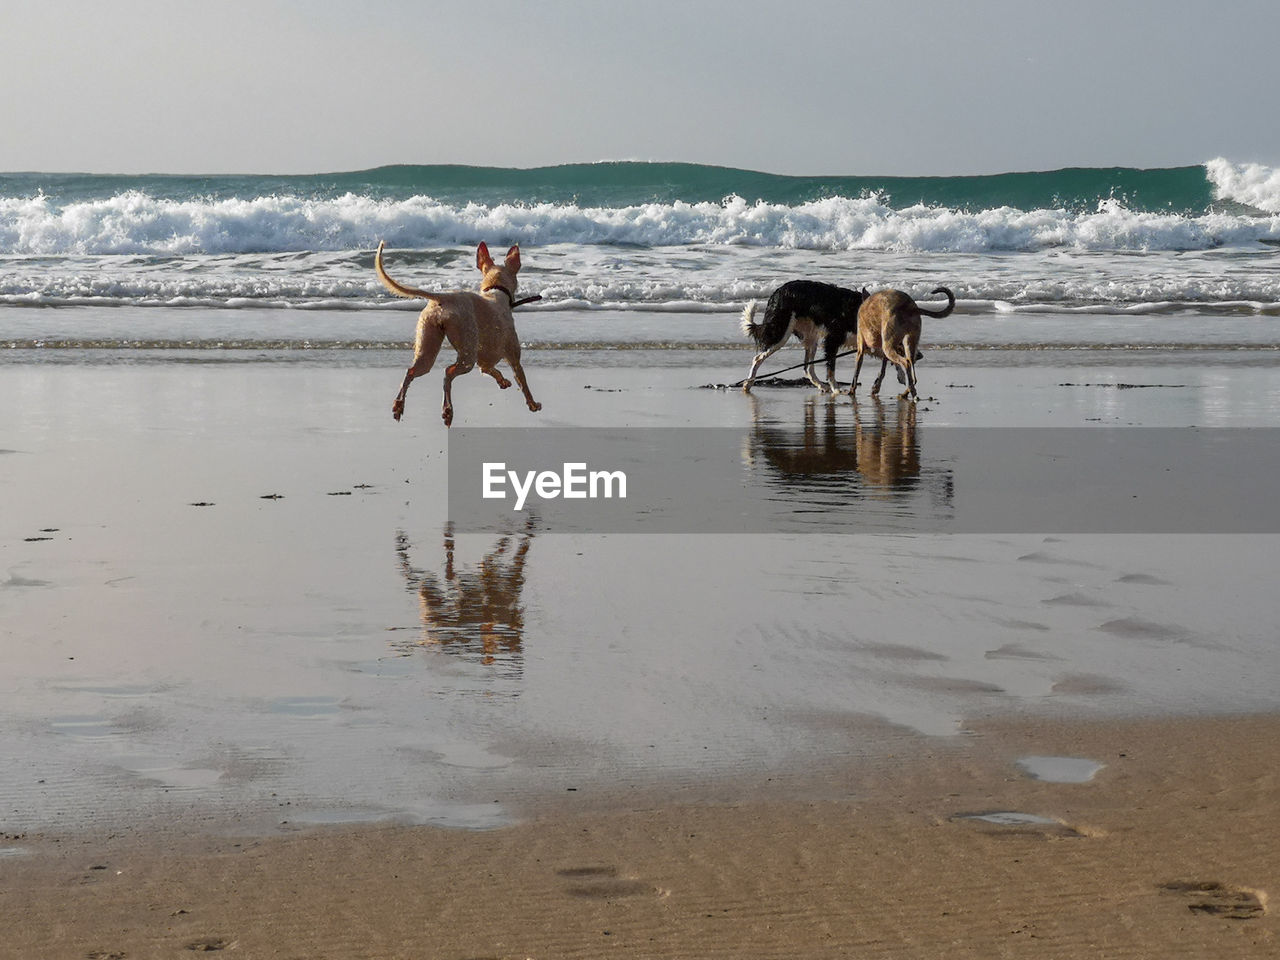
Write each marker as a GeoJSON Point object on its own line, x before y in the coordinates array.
{"type": "Point", "coordinates": [766, 376]}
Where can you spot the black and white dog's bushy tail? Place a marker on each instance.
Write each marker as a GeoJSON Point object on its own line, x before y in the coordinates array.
{"type": "Point", "coordinates": [749, 326]}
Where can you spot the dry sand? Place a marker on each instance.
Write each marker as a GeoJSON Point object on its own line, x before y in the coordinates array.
{"type": "Point", "coordinates": [1169, 851]}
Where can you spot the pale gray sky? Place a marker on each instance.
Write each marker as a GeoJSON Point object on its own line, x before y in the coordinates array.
{"type": "Point", "coordinates": [787, 86]}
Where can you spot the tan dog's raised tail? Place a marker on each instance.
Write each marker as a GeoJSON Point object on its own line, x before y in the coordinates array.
{"type": "Point", "coordinates": [889, 328]}
{"type": "Point", "coordinates": [479, 325]}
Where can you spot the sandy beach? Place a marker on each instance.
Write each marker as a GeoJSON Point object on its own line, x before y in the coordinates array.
{"type": "Point", "coordinates": [250, 704]}
{"type": "Point", "coordinates": [1168, 851]}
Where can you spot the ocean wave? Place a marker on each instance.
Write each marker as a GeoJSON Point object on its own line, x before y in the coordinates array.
{"type": "Point", "coordinates": [569, 277]}
{"type": "Point", "coordinates": [134, 223]}
{"type": "Point", "coordinates": [985, 300]}
{"type": "Point", "coordinates": [1251, 184]}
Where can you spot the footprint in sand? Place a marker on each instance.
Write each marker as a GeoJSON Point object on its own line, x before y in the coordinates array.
{"type": "Point", "coordinates": [1215, 899]}
{"type": "Point", "coordinates": [1086, 685]}
{"type": "Point", "coordinates": [1075, 599]}
{"type": "Point", "coordinates": [1043, 556]}
{"type": "Point", "coordinates": [1145, 579]}
{"type": "Point", "coordinates": [210, 945]}
{"type": "Point", "coordinates": [895, 651]}
{"type": "Point", "coordinates": [1016, 651]}
{"type": "Point", "coordinates": [604, 883]}
{"type": "Point", "coordinates": [1135, 628]}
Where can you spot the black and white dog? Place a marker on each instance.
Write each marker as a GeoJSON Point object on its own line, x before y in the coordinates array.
{"type": "Point", "coordinates": [815, 312]}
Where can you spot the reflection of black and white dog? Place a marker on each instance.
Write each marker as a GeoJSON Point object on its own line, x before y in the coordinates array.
{"type": "Point", "coordinates": [814, 312]}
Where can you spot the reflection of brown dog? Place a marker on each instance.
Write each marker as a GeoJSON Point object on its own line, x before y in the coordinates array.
{"type": "Point", "coordinates": [478, 609]}
{"type": "Point", "coordinates": [479, 325]}
{"type": "Point", "coordinates": [888, 454]}
{"type": "Point", "coordinates": [889, 328]}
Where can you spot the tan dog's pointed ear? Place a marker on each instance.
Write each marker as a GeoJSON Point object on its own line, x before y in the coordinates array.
{"type": "Point", "coordinates": [513, 257]}
{"type": "Point", "coordinates": [483, 260]}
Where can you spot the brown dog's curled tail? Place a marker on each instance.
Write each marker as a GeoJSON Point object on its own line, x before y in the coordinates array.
{"type": "Point", "coordinates": [399, 289]}
{"type": "Point", "coordinates": [945, 311]}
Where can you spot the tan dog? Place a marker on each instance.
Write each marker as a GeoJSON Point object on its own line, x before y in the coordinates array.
{"type": "Point", "coordinates": [889, 328]}
{"type": "Point", "coordinates": [479, 325]}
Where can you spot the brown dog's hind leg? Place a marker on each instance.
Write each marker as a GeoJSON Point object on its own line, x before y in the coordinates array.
{"type": "Point", "coordinates": [857, 369]}
{"type": "Point", "coordinates": [875, 387]}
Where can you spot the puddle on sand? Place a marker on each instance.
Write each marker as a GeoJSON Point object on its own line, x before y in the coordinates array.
{"type": "Point", "coordinates": [7, 852]}
{"type": "Point", "coordinates": [457, 816]}
{"type": "Point", "coordinates": [307, 708]}
{"type": "Point", "coordinates": [113, 692]}
{"type": "Point", "coordinates": [1010, 818]}
{"type": "Point", "coordinates": [1060, 769]}
{"type": "Point", "coordinates": [1015, 823]}
{"type": "Point", "coordinates": [85, 727]}
{"type": "Point", "coordinates": [170, 775]}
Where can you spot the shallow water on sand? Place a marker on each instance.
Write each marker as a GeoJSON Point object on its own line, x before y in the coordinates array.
{"type": "Point", "coordinates": [231, 591]}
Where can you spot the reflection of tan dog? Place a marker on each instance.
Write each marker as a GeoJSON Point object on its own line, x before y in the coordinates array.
{"type": "Point", "coordinates": [479, 325]}
{"type": "Point", "coordinates": [889, 328]}
{"type": "Point", "coordinates": [475, 611]}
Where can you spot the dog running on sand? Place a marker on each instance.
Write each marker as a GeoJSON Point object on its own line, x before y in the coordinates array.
{"type": "Point", "coordinates": [479, 325]}
{"type": "Point", "coordinates": [814, 312]}
{"type": "Point", "coordinates": [889, 328]}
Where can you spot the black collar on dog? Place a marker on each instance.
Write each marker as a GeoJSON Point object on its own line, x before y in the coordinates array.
{"type": "Point", "coordinates": [511, 297]}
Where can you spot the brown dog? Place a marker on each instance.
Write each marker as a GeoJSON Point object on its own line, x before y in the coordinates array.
{"type": "Point", "coordinates": [889, 328]}
{"type": "Point", "coordinates": [479, 325]}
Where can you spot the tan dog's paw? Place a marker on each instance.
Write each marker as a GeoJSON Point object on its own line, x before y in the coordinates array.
{"type": "Point", "coordinates": [535, 406]}
{"type": "Point", "coordinates": [447, 414]}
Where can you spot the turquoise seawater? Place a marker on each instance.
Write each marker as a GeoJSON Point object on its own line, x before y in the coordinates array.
{"type": "Point", "coordinates": [612, 239]}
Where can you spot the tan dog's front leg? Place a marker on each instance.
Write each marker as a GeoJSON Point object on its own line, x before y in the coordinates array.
{"type": "Point", "coordinates": [518, 370]}
{"type": "Point", "coordinates": [397, 405]}
{"type": "Point", "coordinates": [494, 372]}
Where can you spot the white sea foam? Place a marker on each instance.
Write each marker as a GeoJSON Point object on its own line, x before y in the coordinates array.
{"type": "Point", "coordinates": [1253, 184]}
{"type": "Point", "coordinates": [134, 223]}
{"type": "Point", "coordinates": [703, 278]}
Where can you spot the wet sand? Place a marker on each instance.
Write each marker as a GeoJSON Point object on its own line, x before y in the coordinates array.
{"type": "Point", "coordinates": [1169, 851]}
{"type": "Point", "coordinates": [233, 613]}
